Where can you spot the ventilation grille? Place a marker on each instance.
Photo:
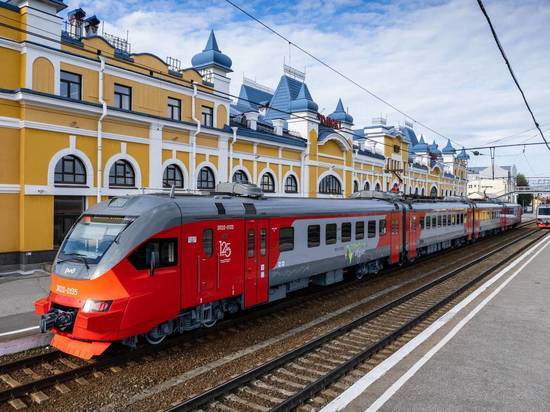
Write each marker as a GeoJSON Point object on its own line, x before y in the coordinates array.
{"type": "Point", "coordinates": [221, 209]}
{"type": "Point", "coordinates": [249, 208]}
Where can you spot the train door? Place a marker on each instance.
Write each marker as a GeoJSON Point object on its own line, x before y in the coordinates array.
{"type": "Point", "coordinates": [395, 238]}
{"type": "Point", "coordinates": [413, 234]}
{"type": "Point", "coordinates": [470, 222]}
{"type": "Point", "coordinates": [207, 264]}
{"type": "Point", "coordinates": [256, 262]}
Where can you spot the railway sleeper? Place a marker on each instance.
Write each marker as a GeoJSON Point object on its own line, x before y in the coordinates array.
{"type": "Point", "coordinates": [272, 389]}
{"type": "Point", "coordinates": [248, 404]}
{"type": "Point", "coordinates": [261, 395]}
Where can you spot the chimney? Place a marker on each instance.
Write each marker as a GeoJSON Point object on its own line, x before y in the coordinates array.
{"type": "Point", "coordinates": [251, 120]}
{"type": "Point", "coordinates": [76, 22]}
{"type": "Point", "coordinates": [278, 126]}
{"type": "Point", "coordinates": [91, 24]}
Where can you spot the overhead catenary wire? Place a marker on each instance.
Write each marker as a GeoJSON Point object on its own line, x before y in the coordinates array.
{"type": "Point", "coordinates": [499, 45]}
{"type": "Point", "coordinates": [152, 70]}
{"type": "Point", "coordinates": [93, 52]}
{"type": "Point", "coordinates": [338, 72]}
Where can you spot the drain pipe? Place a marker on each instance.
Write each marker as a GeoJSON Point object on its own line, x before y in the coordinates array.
{"type": "Point", "coordinates": [100, 129]}
{"type": "Point", "coordinates": [234, 128]}
{"type": "Point", "coordinates": [194, 142]}
{"type": "Point", "coordinates": [304, 176]}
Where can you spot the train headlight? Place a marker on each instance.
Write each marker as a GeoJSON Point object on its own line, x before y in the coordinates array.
{"type": "Point", "coordinates": [96, 305]}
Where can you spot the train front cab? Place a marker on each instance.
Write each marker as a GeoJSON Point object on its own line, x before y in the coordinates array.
{"type": "Point", "coordinates": [88, 312]}
{"type": "Point", "coordinates": [543, 216]}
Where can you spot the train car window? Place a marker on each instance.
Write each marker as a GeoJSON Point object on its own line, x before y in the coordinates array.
{"type": "Point", "coordinates": [382, 227]}
{"type": "Point", "coordinates": [330, 233]}
{"type": "Point", "coordinates": [263, 242]}
{"type": "Point", "coordinates": [444, 220]}
{"type": "Point", "coordinates": [286, 239]}
{"type": "Point", "coordinates": [346, 232]}
{"type": "Point", "coordinates": [165, 249]}
{"type": "Point", "coordinates": [439, 221]}
{"type": "Point", "coordinates": [208, 242]}
{"type": "Point", "coordinates": [359, 230]}
{"type": "Point", "coordinates": [313, 235]}
{"type": "Point", "coordinates": [453, 219]}
{"type": "Point", "coordinates": [371, 229]}
{"type": "Point", "coordinates": [428, 221]}
{"type": "Point", "coordinates": [434, 222]}
{"type": "Point", "coordinates": [421, 223]}
{"type": "Point", "coordinates": [449, 220]}
{"type": "Point", "coordinates": [251, 241]}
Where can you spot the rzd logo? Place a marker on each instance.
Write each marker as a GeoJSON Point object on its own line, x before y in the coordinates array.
{"type": "Point", "coordinates": [225, 249]}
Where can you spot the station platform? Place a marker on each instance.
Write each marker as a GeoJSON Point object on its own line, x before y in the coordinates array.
{"type": "Point", "coordinates": [490, 352]}
{"type": "Point", "coordinates": [18, 323]}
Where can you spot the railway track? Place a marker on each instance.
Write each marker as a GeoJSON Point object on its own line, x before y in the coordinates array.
{"type": "Point", "coordinates": [295, 377]}
{"type": "Point", "coordinates": [30, 376]}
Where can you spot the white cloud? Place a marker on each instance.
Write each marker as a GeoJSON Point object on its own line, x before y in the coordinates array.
{"type": "Point", "coordinates": [435, 60]}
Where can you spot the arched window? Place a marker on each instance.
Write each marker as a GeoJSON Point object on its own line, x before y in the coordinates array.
{"type": "Point", "coordinates": [268, 183]}
{"type": "Point", "coordinates": [423, 192]}
{"type": "Point", "coordinates": [291, 184]}
{"type": "Point", "coordinates": [377, 187]}
{"type": "Point", "coordinates": [433, 192]}
{"type": "Point", "coordinates": [355, 186]}
{"type": "Point", "coordinates": [172, 177]}
{"type": "Point", "coordinates": [206, 179]}
{"type": "Point", "coordinates": [366, 186]}
{"type": "Point", "coordinates": [122, 174]}
{"type": "Point", "coordinates": [240, 177]}
{"type": "Point", "coordinates": [416, 191]}
{"type": "Point", "coordinates": [330, 185]}
{"type": "Point", "coordinates": [70, 170]}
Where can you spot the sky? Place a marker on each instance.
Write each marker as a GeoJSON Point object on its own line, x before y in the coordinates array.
{"type": "Point", "coordinates": [434, 60]}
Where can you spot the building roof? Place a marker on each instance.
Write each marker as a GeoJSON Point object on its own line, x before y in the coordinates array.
{"type": "Point", "coordinates": [340, 114]}
{"type": "Point", "coordinates": [303, 102]}
{"type": "Point", "coordinates": [267, 136]}
{"type": "Point", "coordinates": [463, 155]}
{"type": "Point", "coordinates": [421, 146]}
{"type": "Point", "coordinates": [449, 149]}
{"type": "Point", "coordinates": [287, 90]}
{"type": "Point", "coordinates": [409, 135]}
{"type": "Point", "coordinates": [251, 98]}
{"type": "Point", "coordinates": [211, 56]}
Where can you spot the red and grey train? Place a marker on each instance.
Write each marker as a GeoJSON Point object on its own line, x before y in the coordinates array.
{"type": "Point", "coordinates": [543, 216]}
{"type": "Point", "coordinates": [147, 266]}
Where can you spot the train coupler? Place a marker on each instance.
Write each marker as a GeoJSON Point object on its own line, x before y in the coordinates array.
{"type": "Point", "coordinates": [61, 319]}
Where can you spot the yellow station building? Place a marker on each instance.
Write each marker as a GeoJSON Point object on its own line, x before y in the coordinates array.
{"type": "Point", "coordinates": [83, 119]}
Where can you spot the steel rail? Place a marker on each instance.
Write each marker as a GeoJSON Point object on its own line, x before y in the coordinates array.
{"type": "Point", "coordinates": [243, 379]}
{"type": "Point", "coordinates": [29, 361]}
{"type": "Point", "coordinates": [120, 357]}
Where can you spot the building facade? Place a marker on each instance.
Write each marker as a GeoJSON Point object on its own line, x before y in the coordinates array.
{"type": "Point", "coordinates": [492, 182]}
{"type": "Point", "coordinates": [82, 119]}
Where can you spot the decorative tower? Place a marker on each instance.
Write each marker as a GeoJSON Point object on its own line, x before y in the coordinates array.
{"type": "Point", "coordinates": [345, 119]}
{"type": "Point", "coordinates": [306, 113]}
{"type": "Point", "coordinates": [213, 64]}
{"type": "Point", "coordinates": [421, 152]}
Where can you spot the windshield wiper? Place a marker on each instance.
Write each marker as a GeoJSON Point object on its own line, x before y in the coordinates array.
{"type": "Point", "coordinates": [74, 256]}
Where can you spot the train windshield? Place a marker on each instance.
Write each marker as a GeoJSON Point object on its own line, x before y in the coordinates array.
{"type": "Point", "coordinates": [544, 211]}
{"type": "Point", "coordinates": [91, 237]}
